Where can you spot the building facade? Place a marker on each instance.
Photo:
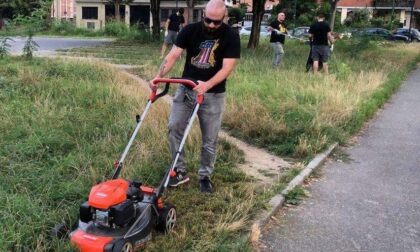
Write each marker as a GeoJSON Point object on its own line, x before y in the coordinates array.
{"type": "Point", "coordinates": [63, 9]}
{"type": "Point", "coordinates": [406, 10]}
{"type": "Point", "coordinates": [94, 14]}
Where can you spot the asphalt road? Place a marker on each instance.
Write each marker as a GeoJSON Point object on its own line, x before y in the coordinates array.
{"type": "Point", "coordinates": [47, 45]}
{"type": "Point", "coordinates": [372, 202]}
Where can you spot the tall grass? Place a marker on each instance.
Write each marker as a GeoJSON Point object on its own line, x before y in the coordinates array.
{"type": "Point", "coordinates": [291, 112]}
{"type": "Point", "coordinates": [288, 111]}
{"type": "Point", "coordinates": [115, 29]}
{"type": "Point", "coordinates": [64, 124]}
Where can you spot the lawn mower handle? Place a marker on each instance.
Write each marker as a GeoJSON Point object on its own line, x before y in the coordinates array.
{"type": "Point", "coordinates": [186, 82]}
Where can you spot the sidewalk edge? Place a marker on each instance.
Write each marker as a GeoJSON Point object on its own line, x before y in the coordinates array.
{"type": "Point", "coordinates": [277, 201]}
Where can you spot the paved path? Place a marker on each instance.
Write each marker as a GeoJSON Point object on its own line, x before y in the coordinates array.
{"type": "Point", "coordinates": [48, 45]}
{"type": "Point", "coordinates": [371, 203]}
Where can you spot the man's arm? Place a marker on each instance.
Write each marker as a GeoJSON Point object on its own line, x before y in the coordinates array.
{"type": "Point", "coordinates": [167, 24]}
{"type": "Point", "coordinates": [167, 64]}
{"type": "Point", "coordinates": [227, 68]}
{"type": "Point", "coordinates": [331, 38]}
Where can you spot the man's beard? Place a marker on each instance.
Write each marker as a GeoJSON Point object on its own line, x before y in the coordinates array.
{"type": "Point", "coordinates": [210, 32]}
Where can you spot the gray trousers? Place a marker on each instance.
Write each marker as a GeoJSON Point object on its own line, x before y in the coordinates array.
{"type": "Point", "coordinates": [210, 117]}
{"type": "Point", "coordinates": [278, 53]}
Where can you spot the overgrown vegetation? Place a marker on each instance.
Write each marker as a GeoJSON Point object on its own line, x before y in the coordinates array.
{"type": "Point", "coordinates": [30, 47]}
{"type": "Point", "coordinates": [64, 124]}
{"type": "Point", "coordinates": [288, 111]}
{"type": "Point", "coordinates": [21, 26]}
{"type": "Point", "coordinates": [5, 47]}
{"type": "Point", "coordinates": [306, 11]}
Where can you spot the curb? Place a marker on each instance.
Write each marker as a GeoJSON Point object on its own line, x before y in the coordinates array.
{"type": "Point", "coordinates": [277, 201]}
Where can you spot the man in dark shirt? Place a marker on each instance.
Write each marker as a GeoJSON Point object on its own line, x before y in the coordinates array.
{"type": "Point", "coordinates": [278, 30]}
{"type": "Point", "coordinates": [212, 51]}
{"type": "Point", "coordinates": [172, 26]}
{"type": "Point", "coordinates": [320, 33]}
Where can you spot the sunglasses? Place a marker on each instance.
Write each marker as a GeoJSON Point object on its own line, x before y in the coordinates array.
{"type": "Point", "coordinates": [215, 22]}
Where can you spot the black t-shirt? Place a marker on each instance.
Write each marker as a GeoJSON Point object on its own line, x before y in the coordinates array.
{"type": "Point", "coordinates": [205, 53]}
{"type": "Point", "coordinates": [279, 26]}
{"type": "Point", "coordinates": [320, 31]}
{"type": "Point", "coordinates": [175, 21]}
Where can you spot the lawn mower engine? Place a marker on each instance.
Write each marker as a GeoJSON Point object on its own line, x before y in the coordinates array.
{"type": "Point", "coordinates": [118, 216]}
{"type": "Point", "coordinates": [112, 203]}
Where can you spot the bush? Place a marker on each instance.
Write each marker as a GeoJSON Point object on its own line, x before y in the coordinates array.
{"type": "Point", "coordinates": [115, 28]}
{"type": "Point", "coordinates": [63, 27]}
{"type": "Point", "coordinates": [34, 23]}
{"type": "Point", "coordinates": [377, 22]}
{"type": "Point", "coordinates": [358, 19]}
{"type": "Point", "coordinates": [236, 15]}
{"type": "Point", "coordinates": [122, 31]}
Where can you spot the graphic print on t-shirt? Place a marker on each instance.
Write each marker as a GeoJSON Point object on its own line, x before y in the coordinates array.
{"type": "Point", "coordinates": [205, 59]}
{"type": "Point", "coordinates": [282, 28]}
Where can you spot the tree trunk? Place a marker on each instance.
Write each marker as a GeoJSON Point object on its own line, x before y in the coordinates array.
{"type": "Point", "coordinates": [257, 14]}
{"type": "Point", "coordinates": [333, 4]}
{"type": "Point", "coordinates": [155, 8]}
{"type": "Point", "coordinates": [190, 5]}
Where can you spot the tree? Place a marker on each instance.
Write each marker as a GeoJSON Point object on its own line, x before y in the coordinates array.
{"type": "Point", "coordinates": [155, 9]}
{"type": "Point", "coordinates": [12, 8]}
{"type": "Point", "coordinates": [333, 10]}
{"type": "Point", "coordinates": [117, 4]}
{"type": "Point", "coordinates": [5, 47]}
{"type": "Point", "coordinates": [236, 14]}
{"type": "Point", "coordinates": [190, 5]}
{"type": "Point", "coordinates": [30, 46]}
{"type": "Point", "coordinates": [257, 15]}
{"type": "Point", "coordinates": [298, 12]}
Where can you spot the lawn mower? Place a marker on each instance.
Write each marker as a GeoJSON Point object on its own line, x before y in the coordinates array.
{"type": "Point", "coordinates": [120, 214]}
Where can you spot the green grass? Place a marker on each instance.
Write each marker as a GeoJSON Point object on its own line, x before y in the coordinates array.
{"type": "Point", "coordinates": [66, 28]}
{"type": "Point", "coordinates": [64, 124]}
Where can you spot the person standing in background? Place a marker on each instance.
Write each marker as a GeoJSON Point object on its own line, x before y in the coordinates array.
{"type": "Point", "coordinates": [172, 27]}
{"type": "Point", "coordinates": [278, 31]}
{"type": "Point", "coordinates": [320, 34]}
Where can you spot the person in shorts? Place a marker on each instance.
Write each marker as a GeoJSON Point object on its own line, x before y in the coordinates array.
{"type": "Point", "coordinates": [172, 27]}
{"type": "Point", "coordinates": [320, 34]}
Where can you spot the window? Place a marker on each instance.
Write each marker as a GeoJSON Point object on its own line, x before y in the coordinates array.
{"type": "Point", "coordinates": [89, 12]}
{"type": "Point", "coordinates": [90, 25]}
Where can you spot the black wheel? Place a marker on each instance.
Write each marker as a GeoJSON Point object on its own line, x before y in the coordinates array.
{"type": "Point", "coordinates": [123, 246]}
{"type": "Point", "coordinates": [60, 231]}
{"type": "Point", "coordinates": [167, 218]}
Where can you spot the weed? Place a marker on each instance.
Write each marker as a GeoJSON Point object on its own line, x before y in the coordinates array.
{"type": "Point", "coordinates": [5, 47]}
{"type": "Point", "coordinates": [295, 196]}
{"type": "Point", "coordinates": [30, 47]}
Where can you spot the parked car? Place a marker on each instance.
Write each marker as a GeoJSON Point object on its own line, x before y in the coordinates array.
{"type": "Point", "coordinates": [299, 32]}
{"type": "Point", "coordinates": [380, 33]}
{"type": "Point", "coordinates": [246, 31]}
{"type": "Point", "coordinates": [415, 34]}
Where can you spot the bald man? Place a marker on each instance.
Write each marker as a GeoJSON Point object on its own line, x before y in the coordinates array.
{"type": "Point", "coordinates": [212, 51]}
{"type": "Point", "coordinates": [278, 31]}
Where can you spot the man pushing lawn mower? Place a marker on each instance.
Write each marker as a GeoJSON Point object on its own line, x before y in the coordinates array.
{"type": "Point", "coordinates": [212, 50]}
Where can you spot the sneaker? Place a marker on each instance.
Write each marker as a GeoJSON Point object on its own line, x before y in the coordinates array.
{"type": "Point", "coordinates": [205, 185]}
{"type": "Point", "coordinates": [178, 178]}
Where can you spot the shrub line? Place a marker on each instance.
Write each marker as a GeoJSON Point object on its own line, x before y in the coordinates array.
{"type": "Point", "coordinates": [277, 201]}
